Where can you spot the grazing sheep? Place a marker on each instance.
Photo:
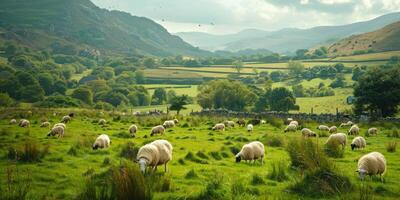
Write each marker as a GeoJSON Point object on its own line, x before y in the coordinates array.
{"type": "Point", "coordinates": [251, 151]}
{"type": "Point", "coordinates": [241, 122]}
{"type": "Point", "coordinates": [58, 130]}
{"type": "Point", "coordinates": [153, 154]}
{"type": "Point", "coordinates": [354, 130]}
{"type": "Point", "coordinates": [157, 130]}
{"type": "Point", "coordinates": [45, 124]}
{"type": "Point", "coordinates": [103, 141]}
{"type": "Point", "coordinates": [348, 123]}
{"type": "Point", "coordinates": [24, 123]}
{"type": "Point", "coordinates": [323, 128]}
{"type": "Point", "coordinates": [308, 133]}
{"type": "Point", "coordinates": [102, 121]}
{"type": "Point", "coordinates": [373, 131]}
{"type": "Point", "coordinates": [295, 123]}
{"type": "Point", "coordinates": [60, 124]}
{"type": "Point", "coordinates": [132, 130]}
{"type": "Point", "coordinates": [263, 121]}
{"type": "Point", "coordinates": [358, 142]}
{"type": "Point", "coordinates": [219, 127]}
{"type": "Point", "coordinates": [169, 124]}
{"type": "Point", "coordinates": [65, 119]}
{"type": "Point", "coordinates": [290, 127]}
{"type": "Point", "coordinates": [371, 164]}
{"type": "Point", "coordinates": [254, 122]}
{"type": "Point", "coordinates": [71, 114]}
{"type": "Point", "coordinates": [13, 121]}
{"type": "Point", "coordinates": [250, 128]}
{"type": "Point", "coordinates": [333, 129]}
{"type": "Point", "coordinates": [229, 124]}
{"type": "Point", "coordinates": [336, 139]}
{"type": "Point", "coordinates": [288, 120]}
{"type": "Point", "coordinates": [176, 121]}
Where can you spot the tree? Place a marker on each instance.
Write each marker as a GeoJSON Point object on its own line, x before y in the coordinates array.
{"type": "Point", "coordinates": [159, 97]}
{"type": "Point", "coordinates": [84, 94]}
{"type": "Point", "coordinates": [139, 76]}
{"type": "Point", "coordinates": [339, 67]}
{"type": "Point", "coordinates": [5, 100]}
{"type": "Point", "coordinates": [238, 65]}
{"type": "Point", "coordinates": [357, 73]}
{"type": "Point", "coordinates": [301, 53]}
{"type": "Point", "coordinates": [149, 63]}
{"type": "Point", "coordinates": [281, 99]}
{"type": "Point", "coordinates": [171, 94]}
{"type": "Point", "coordinates": [378, 90]}
{"type": "Point", "coordinates": [46, 82]}
{"type": "Point", "coordinates": [295, 69]}
{"type": "Point", "coordinates": [178, 103]}
{"type": "Point", "coordinates": [338, 82]}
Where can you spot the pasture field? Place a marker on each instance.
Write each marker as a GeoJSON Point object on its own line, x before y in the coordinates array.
{"type": "Point", "coordinates": [210, 155]}
{"type": "Point", "coordinates": [368, 57]}
{"type": "Point", "coordinates": [190, 90]}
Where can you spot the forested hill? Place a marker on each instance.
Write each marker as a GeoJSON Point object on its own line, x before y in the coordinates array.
{"type": "Point", "coordinates": [41, 23]}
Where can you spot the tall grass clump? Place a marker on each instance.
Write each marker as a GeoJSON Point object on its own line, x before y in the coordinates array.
{"type": "Point", "coordinates": [275, 122]}
{"type": "Point", "coordinates": [278, 172]}
{"type": "Point", "coordinates": [214, 189]}
{"type": "Point", "coordinates": [30, 152]}
{"type": "Point", "coordinates": [334, 149]}
{"type": "Point", "coordinates": [16, 185]}
{"type": "Point", "coordinates": [391, 146]}
{"type": "Point", "coordinates": [257, 179]}
{"type": "Point", "coordinates": [191, 174]}
{"type": "Point", "coordinates": [274, 141]}
{"type": "Point", "coordinates": [365, 192]}
{"type": "Point", "coordinates": [129, 151]}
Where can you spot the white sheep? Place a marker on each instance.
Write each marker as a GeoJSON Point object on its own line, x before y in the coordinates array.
{"type": "Point", "coordinates": [290, 127]}
{"type": "Point", "coordinates": [337, 139]}
{"type": "Point", "coordinates": [250, 128]}
{"type": "Point", "coordinates": [251, 151]}
{"type": "Point", "coordinates": [153, 154]}
{"type": "Point", "coordinates": [65, 119]}
{"type": "Point", "coordinates": [13, 121]}
{"type": "Point", "coordinates": [229, 124]}
{"type": "Point", "coordinates": [157, 130]}
{"type": "Point", "coordinates": [60, 124]}
{"type": "Point", "coordinates": [24, 123]}
{"type": "Point", "coordinates": [358, 142]}
{"type": "Point", "coordinates": [323, 128]}
{"type": "Point", "coordinates": [354, 130]}
{"type": "Point", "coordinates": [103, 141]}
{"type": "Point", "coordinates": [263, 121]}
{"type": "Point", "coordinates": [373, 131]}
{"type": "Point", "coordinates": [176, 121]}
{"type": "Point", "coordinates": [371, 164]}
{"type": "Point", "coordinates": [58, 130]}
{"type": "Point", "coordinates": [308, 133]}
{"type": "Point", "coordinates": [102, 122]}
{"type": "Point", "coordinates": [333, 129]}
{"type": "Point", "coordinates": [133, 129]}
{"type": "Point", "coordinates": [219, 127]}
{"type": "Point", "coordinates": [348, 123]}
{"type": "Point", "coordinates": [294, 122]}
{"type": "Point", "coordinates": [45, 124]}
{"type": "Point", "coordinates": [169, 124]}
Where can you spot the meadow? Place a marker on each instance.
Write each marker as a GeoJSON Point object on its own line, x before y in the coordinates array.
{"type": "Point", "coordinates": [201, 157]}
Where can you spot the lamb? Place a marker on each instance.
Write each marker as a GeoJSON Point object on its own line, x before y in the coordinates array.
{"type": "Point", "coordinates": [354, 130]}
{"type": "Point", "coordinates": [336, 139]}
{"type": "Point", "coordinates": [229, 124]}
{"type": "Point", "coordinates": [323, 128]}
{"type": "Point", "coordinates": [219, 127]}
{"type": "Point", "coordinates": [65, 119]}
{"type": "Point", "coordinates": [308, 133]}
{"type": "Point", "coordinates": [333, 129]}
{"type": "Point", "coordinates": [241, 122]}
{"type": "Point", "coordinates": [13, 121]}
{"type": "Point", "coordinates": [45, 124]}
{"type": "Point", "coordinates": [250, 128]}
{"type": "Point", "coordinates": [373, 131]}
{"type": "Point", "coordinates": [153, 154]}
{"type": "Point", "coordinates": [24, 123]}
{"type": "Point", "coordinates": [348, 123]}
{"type": "Point", "coordinates": [294, 122]}
{"type": "Point", "coordinates": [263, 121]}
{"type": "Point", "coordinates": [157, 130]}
{"type": "Point", "coordinates": [358, 142]}
{"type": "Point", "coordinates": [103, 141]}
{"type": "Point", "coordinates": [371, 164]}
{"type": "Point", "coordinates": [132, 130]}
{"type": "Point", "coordinates": [169, 124]}
{"type": "Point", "coordinates": [290, 127]}
{"type": "Point", "coordinates": [251, 151]}
{"type": "Point", "coordinates": [102, 121]}
{"type": "Point", "coordinates": [60, 124]}
{"type": "Point", "coordinates": [58, 130]}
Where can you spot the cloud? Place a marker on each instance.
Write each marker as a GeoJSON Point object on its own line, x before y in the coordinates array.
{"type": "Point", "coordinates": [330, 2]}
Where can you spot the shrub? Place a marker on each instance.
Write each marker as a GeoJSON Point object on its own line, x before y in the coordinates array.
{"type": "Point", "coordinates": [278, 172]}
{"type": "Point", "coordinates": [30, 152]}
{"type": "Point", "coordinates": [257, 180]}
{"type": "Point", "coordinates": [129, 151]}
{"type": "Point", "coordinates": [275, 122]}
{"type": "Point", "coordinates": [391, 146]}
{"type": "Point", "coordinates": [334, 149]}
{"type": "Point", "coordinates": [191, 174]}
{"type": "Point", "coordinates": [274, 141]}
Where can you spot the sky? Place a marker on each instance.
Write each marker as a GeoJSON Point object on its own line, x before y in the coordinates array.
{"type": "Point", "coordinates": [230, 16]}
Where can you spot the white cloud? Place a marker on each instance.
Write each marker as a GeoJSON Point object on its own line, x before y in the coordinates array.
{"type": "Point", "coordinates": [330, 2]}
{"type": "Point", "coordinates": [304, 2]}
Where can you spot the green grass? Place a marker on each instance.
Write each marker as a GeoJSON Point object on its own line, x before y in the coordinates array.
{"type": "Point", "coordinates": [61, 175]}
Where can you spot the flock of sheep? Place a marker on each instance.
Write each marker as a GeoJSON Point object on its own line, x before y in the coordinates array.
{"type": "Point", "coordinates": [159, 152]}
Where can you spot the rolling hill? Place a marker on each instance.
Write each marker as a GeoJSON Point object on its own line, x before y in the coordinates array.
{"type": "Point", "coordinates": [291, 39]}
{"type": "Point", "coordinates": [83, 23]}
{"type": "Point", "coordinates": [384, 39]}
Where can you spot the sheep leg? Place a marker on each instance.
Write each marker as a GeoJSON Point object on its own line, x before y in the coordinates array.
{"type": "Point", "coordinates": [165, 167]}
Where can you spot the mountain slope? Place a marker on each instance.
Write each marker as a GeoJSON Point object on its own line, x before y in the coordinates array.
{"type": "Point", "coordinates": [81, 21]}
{"type": "Point", "coordinates": [384, 39]}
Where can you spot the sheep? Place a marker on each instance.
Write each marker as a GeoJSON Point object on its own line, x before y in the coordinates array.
{"type": "Point", "coordinates": [132, 130]}
{"type": "Point", "coordinates": [354, 130]}
{"type": "Point", "coordinates": [295, 123]}
{"type": "Point", "coordinates": [254, 122]}
{"type": "Point", "coordinates": [45, 124]}
{"type": "Point", "coordinates": [60, 124]}
{"type": "Point", "coordinates": [65, 119]}
{"type": "Point", "coordinates": [333, 129]}
{"type": "Point", "coordinates": [176, 121]}
{"type": "Point", "coordinates": [308, 133]}
{"type": "Point", "coordinates": [358, 142]}
{"type": "Point", "coordinates": [241, 122]}
{"type": "Point", "coordinates": [13, 121]}
{"type": "Point", "coordinates": [153, 154]}
{"type": "Point", "coordinates": [348, 123]}
{"type": "Point", "coordinates": [102, 122]}
{"type": "Point", "coordinates": [288, 120]}
{"type": "Point", "coordinates": [219, 127]}
{"type": "Point", "coordinates": [371, 164]}
{"type": "Point", "coordinates": [263, 121]}
{"type": "Point", "coordinates": [335, 139]}
{"type": "Point", "coordinates": [251, 151]}
{"type": "Point", "coordinates": [58, 130]}
{"type": "Point", "coordinates": [229, 124]}
{"type": "Point", "coordinates": [373, 131]}
{"type": "Point", "coordinates": [250, 128]}
{"type": "Point", "coordinates": [157, 130]}
{"type": "Point", "coordinates": [24, 123]}
{"type": "Point", "coordinates": [103, 141]}
{"type": "Point", "coordinates": [169, 124]}
{"type": "Point", "coordinates": [290, 127]}
{"type": "Point", "coordinates": [323, 128]}
{"type": "Point", "coordinates": [71, 114]}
